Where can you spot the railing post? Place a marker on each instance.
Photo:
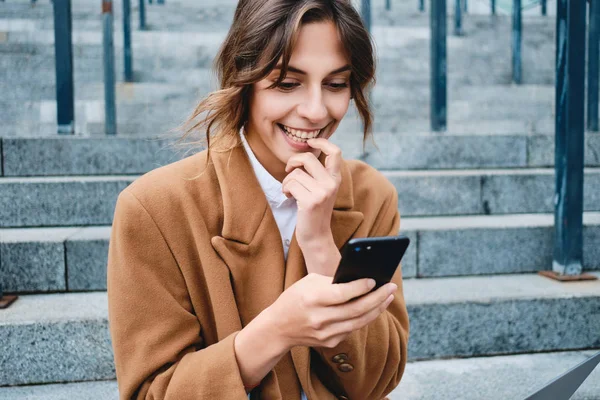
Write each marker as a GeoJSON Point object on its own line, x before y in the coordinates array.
{"type": "Point", "coordinates": [457, 18]}
{"type": "Point", "coordinates": [544, 7]}
{"type": "Point", "coordinates": [493, 7]}
{"type": "Point", "coordinates": [63, 50]}
{"type": "Point", "coordinates": [570, 75]}
{"type": "Point", "coordinates": [388, 5]}
{"type": "Point", "coordinates": [465, 6]}
{"type": "Point", "coordinates": [438, 79]}
{"type": "Point", "coordinates": [421, 5]}
{"type": "Point", "coordinates": [366, 14]}
{"type": "Point", "coordinates": [127, 41]}
{"type": "Point", "coordinates": [517, 36]}
{"type": "Point", "coordinates": [593, 65]}
{"type": "Point", "coordinates": [142, 8]}
{"type": "Point", "coordinates": [110, 118]}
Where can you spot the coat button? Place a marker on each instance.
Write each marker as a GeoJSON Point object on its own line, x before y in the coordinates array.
{"type": "Point", "coordinates": [340, 358]}
{"type": "Point", "coordinates": [345, 367]}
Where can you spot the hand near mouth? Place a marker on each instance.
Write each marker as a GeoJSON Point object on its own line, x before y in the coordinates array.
{"type": "Point", "coordinates": [315, 187]}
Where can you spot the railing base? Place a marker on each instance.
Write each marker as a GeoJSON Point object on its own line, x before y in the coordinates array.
{"type": "Point", "coordinates": [567, 278]}
{"type": "Point", "coordinates": [7, 300]}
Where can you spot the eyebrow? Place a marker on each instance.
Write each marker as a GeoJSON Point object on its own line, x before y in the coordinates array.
{"type": "Point", "coordinates": [299, 71]}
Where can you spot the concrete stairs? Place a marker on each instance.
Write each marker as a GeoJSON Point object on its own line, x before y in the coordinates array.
{"type": "Point", "coordinates": [477, 201]}
{"type": "Point", "coordinates": [420, 382]}
{"type": "Point", "coordinates": [475, 61]}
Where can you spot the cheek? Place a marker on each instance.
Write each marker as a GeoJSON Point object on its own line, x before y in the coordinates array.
{"type": "Point", "coordinates": [338, 106]}
{"type": "Point", "coordinates": [270, 107]}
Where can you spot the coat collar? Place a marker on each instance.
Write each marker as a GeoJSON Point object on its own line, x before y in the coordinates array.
{"type": "Point", "coordinates": [250, 243]}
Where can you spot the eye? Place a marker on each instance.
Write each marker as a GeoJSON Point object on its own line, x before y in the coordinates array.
{"type": "Point", "coordinates": [338, 86]}
{"type": "Point", "coordinates": [287, 86]}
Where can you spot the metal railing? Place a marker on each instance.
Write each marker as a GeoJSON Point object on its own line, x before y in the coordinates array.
{"type": "Point", "coordinates": [570, 46]}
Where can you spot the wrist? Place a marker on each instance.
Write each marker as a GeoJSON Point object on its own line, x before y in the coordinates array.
{"type": "Point", "coordinates": [321, 256]}
{"type": "Point", "coordinates": [257, 350]}
{"type": "Point", "coordinates": [271, 328]}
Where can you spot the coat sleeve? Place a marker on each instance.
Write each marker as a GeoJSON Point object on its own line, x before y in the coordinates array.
{"type": "Point", "coordinates": [156, 337]}
{"type": "Point", "coordinates": [376, 353]}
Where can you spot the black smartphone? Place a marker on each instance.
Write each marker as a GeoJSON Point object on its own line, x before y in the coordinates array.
{"type": "Point", "coordinates": [372, 257]}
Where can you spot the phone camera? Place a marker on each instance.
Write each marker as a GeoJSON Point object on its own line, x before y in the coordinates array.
{"type": "Point", "coordinates": [357, 249]}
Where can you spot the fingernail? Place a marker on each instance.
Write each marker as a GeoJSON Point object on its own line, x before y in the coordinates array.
{"type": "Point", "coordinates": [371, 283]}
{"type": "Point", "coordinates": [393, 288]}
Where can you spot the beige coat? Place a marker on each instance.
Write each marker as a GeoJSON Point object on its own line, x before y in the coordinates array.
{"type": "Point", "coordinates": [192, 261]}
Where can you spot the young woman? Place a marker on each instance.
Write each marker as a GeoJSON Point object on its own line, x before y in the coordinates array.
{"type": "Point", "coordinates": [220, 265]}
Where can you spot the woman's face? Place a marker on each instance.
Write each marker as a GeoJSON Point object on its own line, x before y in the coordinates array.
{"type": "Point", "coordinates": [311, 101]}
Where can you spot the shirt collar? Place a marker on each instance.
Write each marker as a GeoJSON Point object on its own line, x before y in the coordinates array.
{"type": "Point", "coordinates": [270, 185]}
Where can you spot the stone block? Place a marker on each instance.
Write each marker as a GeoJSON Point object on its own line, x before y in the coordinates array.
{"type": "Point", "coordinates": [495, 327]}
{"type": "Point", "coordinates": [56, 338]}
{"type": "Point", "coordinates": [409, 261]}
{"type": "Point", "coordinates": [523, 193]}
{"type": "Point", "coordinates": [446, 152]}
{"type": "Point", "coordinates": [32, 266]}
{"type": "Point", "coordinates": [591, 247]}
{"type": "Point", "coordinates": [436, 193]}
{"type": "Point", "coordinates": [533, 192]}
{"type": "Point", "coordinates": [84, 156]}
{"type": "Point", "coordinates": [102, 390]}
{"type": "Point", "coordinates": [484, 251]}
{"type": "Point", "coordinates": [541, 150]}
{"type": "Point", "coordinates": [42, 352]}
{"type": "Point", "coordinates": [87, 256]}
{"type": "Point", "coordinates": [59, 201]}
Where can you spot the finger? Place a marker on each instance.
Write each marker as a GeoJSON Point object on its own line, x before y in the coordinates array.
{"type": "Point", "coordinates": [341, 293]}
{"type": "Point", "coordinates": [296, 190]}
{"type": "Point", "coordinates": [364, 304]}
{"type": "Point", "coordinates": [353, 324]}
{"type": "Point", "coordinates": [357, 307]}
{"type": "Point", "coordinates": [311, 164]}
{"type": "Point", "coordinates": [333, 161]}
{"type": "Point", "coordinates": [304, 179]}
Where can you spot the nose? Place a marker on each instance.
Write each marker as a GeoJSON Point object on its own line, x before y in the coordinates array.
{"type": "Point", "coordinates": [313, 107]}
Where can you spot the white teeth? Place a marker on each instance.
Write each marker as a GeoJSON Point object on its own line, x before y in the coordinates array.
{"type": "Point", "coordinates": [300, 135]}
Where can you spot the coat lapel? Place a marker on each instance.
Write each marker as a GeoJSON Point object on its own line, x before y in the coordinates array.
{"type": "Point", "coordinates": [250, 243]}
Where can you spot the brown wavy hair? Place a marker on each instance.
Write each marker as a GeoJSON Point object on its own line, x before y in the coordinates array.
{"type": "Point", "coordinates": [263, 33]}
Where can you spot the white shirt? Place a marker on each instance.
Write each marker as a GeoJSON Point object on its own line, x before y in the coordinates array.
{"type": "Point", "coordinates": [284, 210]}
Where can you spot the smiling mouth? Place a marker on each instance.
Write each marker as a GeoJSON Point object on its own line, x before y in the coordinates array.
{"type": "Point", "coordinates": [300, 136]}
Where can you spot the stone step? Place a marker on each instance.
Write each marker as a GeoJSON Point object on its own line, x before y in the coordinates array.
{"type": "Point", "coordinates": [64, 337]}
{"type": "Point", "coordinates": [90, 200]}
{"type": "Point", "coordinates": [481, 57]}
{"type": "Point", "coordinates": [97, 390]}
{"type": "Point", "coordinates": [157, 116]}
{"type": "Point", "coordinates": [210, 13]}
{"type": "Point", "coordinates": [77, 155]}
{"type": "Point", "coordinates": [36, 260]}
{"type": "Point", "coordinates": [33, 81]}
{"type": "Point", "coordinates": [492, 378]}
{"type": "Point", "coordinates": [466, 379]}
{"type": "Point", "coordinates": [350, 125]}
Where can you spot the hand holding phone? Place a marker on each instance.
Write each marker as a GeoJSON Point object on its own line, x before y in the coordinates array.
{"type": "Point", "coordinates": [373, 257]}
